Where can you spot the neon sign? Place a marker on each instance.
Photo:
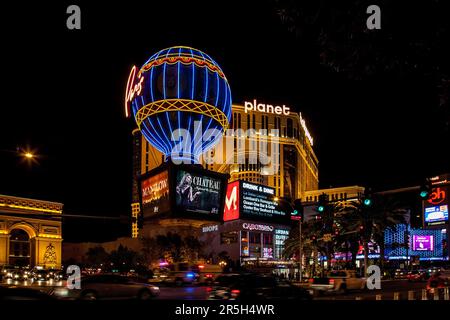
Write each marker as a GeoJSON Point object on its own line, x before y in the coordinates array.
{"type": "Point", "coordinates": [267, 108]}
{"type": "Point", "coordinates": [437, 196]}
{"type": "Point", "coordinates": [258, 227]}
{"type": "Point", "coordinates": [134, 88]}
{"type": "Point", "coordinates": [307, 134]}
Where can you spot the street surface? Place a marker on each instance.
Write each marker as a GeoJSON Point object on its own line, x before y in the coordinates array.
{"type": "Point", "coordinates": [387, 291]}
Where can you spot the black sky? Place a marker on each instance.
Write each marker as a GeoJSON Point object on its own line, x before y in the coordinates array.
{"type": "Point", "coordinates": [63, 93]}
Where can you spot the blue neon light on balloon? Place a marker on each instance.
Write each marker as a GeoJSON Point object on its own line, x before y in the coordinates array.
{"type": "Point", "coordinates": [182, 86]}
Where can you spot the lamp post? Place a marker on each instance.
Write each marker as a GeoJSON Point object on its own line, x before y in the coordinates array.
{"type": "Point", "coordinates": [300, 261]}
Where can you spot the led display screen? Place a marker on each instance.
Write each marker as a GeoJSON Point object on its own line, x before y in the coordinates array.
{"type": "Point", "coordinates": [155, 194]}
{"type": "Point", "coordinates": [423, 243]}
{"type": "Point", "coordinates": [436, 214]}
{"type": "Point", "coordinates": [198, 193]}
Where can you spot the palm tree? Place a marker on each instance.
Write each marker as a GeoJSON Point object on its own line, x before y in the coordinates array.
{"type": "Point", "coordinates": [386, 215]}
{"type": "Point", "coordinates": [370, 222]}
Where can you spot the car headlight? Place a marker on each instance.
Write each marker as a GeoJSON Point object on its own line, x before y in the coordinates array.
{"type": "Point", "coordinates": [61, 292]}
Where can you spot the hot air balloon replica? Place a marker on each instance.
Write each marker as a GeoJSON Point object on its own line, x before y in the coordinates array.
{"type": "Point", "coordinates": [184, 89]}
{"type": "Point", "coordinates": [181, 102]}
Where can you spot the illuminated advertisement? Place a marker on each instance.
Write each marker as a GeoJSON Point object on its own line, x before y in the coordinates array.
{"type": "Point", "coordinates": [257, 202]}
{"type": "Point", "coordinates": [198, 193]}
{"type": "Point", "coordinates": [155, 194]}
{"type": "Point", "coordinates": [251, 201]}
{"type": "Point", "coordinates": [435, 208]}
{"type": "Point", "coordinates": [423, 243]}
{"type": "Point", "coordinates": [436, 215]}
{"type": "Point", "coordinates": [231, 210]}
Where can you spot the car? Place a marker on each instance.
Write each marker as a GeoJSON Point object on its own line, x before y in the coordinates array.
{"type": "Point", "coordinates": [400, 274]}
{"type": "Point", "coordinates": [418, 275]}
{"type": "Point", "coordinates": [337, 281]}
{"type": "Point", "coordinates": [107, 286]}
{"type": "Point", "coordinates": [18, 293]}
{"type": "Point", "coordinates": [55, 274]}
{"type": "Point", "coordinates": [254, 286]}
{"type": "Point", "coordinates": [40, 275]}
{"type": "Point", "coordinates": [438, 280]}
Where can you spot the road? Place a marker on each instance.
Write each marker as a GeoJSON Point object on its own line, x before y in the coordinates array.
{"type": "Point", "coordinates": [388, 288]}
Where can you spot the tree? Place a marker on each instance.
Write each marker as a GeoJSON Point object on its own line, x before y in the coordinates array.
{"type": "Point", "coordinates": [387, 214]}
{"type": "Point", "coordinates": [370, 223]}
{"type": "Point", "coordinates": [96, 256]}
{"type": "Point", "coordinates": [124, 259]}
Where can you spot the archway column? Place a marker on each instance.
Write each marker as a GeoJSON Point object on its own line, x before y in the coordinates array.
{"type": "Point", "coordinates": [4, 249]}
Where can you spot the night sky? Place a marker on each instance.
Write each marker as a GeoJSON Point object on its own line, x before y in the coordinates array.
{"type": "Point", "coordinates": [63, 94]}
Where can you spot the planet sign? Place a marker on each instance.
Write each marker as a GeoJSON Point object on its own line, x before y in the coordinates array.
{"type": "Point", "coordinates": [181, 101]}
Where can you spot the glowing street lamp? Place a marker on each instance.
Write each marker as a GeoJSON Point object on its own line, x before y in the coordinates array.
{"type": "Point", "coordinates": [28, 155]}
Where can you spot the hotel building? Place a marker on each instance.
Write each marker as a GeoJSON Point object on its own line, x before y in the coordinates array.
{"type": "Point", "coordinates": [297, 170]}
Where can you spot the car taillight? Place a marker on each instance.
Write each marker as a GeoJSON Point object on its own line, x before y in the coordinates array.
{"type": "Point", "coordinates": [208, 275]}
{"type": "Point", "coordinates": [311, 280]}
{"type": "Point", "coordinates": [235, 292]}
{"type": "Point", "coordinates": [331, 281]}
{"type": "Point", "coordinates": [209, 289]}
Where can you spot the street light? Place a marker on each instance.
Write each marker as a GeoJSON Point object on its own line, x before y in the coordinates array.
{"type": "Point", "coordinates": [28, 155]}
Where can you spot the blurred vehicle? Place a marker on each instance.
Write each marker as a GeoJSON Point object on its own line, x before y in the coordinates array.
{"type": "Point", "coordinates": [107, 286]}
{"type": "Point", "coordinates": [209, 272]}
{"type": "Point", "coordinates": [254, 286]}
{"type": "Point", "coordinates": [418, 275]}
{"type": "Point", "coordinates": [338, 281]}
{"type": "Point", "coordinates": [55, 274]}
{"type": "Point", "coordinates": [159, 275]}
{"type": "Point", "coordinates": [182, 273]}
{"type": "Point", "coordinates": [40, 275]}
{"type": "Point", "coordinates": [400, 274]}
{"type": "Point", "coordinates": [15, 274]}
{"type": "Point", "coordinates": [17, 293]}
{"type": "Point", "coordinates": [438, 280]}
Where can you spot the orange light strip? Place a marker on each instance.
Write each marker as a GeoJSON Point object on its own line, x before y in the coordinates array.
{"type": "Point", "coordinates": [184, 60]}
{"type": "Point", "coordinates": [30, 208]}
{"type": "Point", "coordinates": [43, 235]}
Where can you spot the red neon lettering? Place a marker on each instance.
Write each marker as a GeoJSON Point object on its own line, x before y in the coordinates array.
{"type": "Point", "coordinates": [437, 196]}
{"type": "Point", "coordinates": [133, 89]}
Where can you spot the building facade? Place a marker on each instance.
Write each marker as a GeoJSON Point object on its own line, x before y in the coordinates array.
{"type": "Point", "coordinates": [290, 166]}
{"type": "Point", "coordinates": [30, 232]}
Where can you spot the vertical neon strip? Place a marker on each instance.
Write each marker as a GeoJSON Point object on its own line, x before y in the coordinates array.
{"type": "Point", "coordinates": [165, 136]}
{"type": "Point", "coordinates": [151, 79]}
{"type": "Point", "coordinates": [165, 97]}
{"type": "Point", "coordinates": [206, 79]}
{"type": "Point", "coordinates": [178, 91]}
{"type": "Point", "coordinates": [192, 98]}
{"type": "Point", "coordinates": [193, 77]}
{"type": "Point", "coordinates": [156, 141]}
{"type": "Point", "coordinates": [217, 90]}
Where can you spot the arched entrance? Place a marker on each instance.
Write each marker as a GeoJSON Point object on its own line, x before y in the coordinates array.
{"type": "Point", "coordinates": [19, 248]}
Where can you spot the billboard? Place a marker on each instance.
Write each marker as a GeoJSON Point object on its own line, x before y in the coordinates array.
{"type": "Point", "coordinates": [245, 200]}
{"type": "Point", "coordinates": [436, 215]}
{"type": "Point", "coordinates": [423, 243]}
{"type": "Point", "coordinates": [182, 192]}
{"type": "Point", "coordinates": [435, 208]}
{"type": "Point", "coordinates": [231, 210]}
{"type": "Point", "coordinates": [155, 194]}
{"type": "Point", "coordinates": [198, 193]}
